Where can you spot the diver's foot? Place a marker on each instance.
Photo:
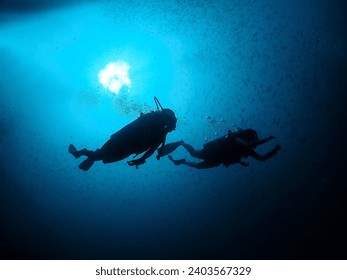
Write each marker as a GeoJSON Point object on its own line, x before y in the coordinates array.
{"type": "Point", "coordinates": [86, 164]}
{"type": "Point", "coordinates": [73, 151]}
{"type": "Point", "coordinates": [176, 162]}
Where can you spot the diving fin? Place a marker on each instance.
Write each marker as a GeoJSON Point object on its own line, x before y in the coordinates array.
{"type": "Point", "coordinates": [86, 164]}
{"type": "Point", "coordinates": [169, 148]}
{"type": "Point", "coordinates": [73, 151]}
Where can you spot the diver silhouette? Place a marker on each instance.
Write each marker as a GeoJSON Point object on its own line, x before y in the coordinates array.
{"type": "Point", "coordinates": [144, 135]}
{"type": "Point", "coordinates": [226, 150]}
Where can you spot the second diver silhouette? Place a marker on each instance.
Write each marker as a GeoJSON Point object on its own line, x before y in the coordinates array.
{"type": "Point", "coordinates": [144, 135]}
{"type": "Point", "coordinates": [227, 150]}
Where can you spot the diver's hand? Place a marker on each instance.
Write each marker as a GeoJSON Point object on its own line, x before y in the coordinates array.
{"type": "Point", "coordinates": [136, 162]}
{"type": "Point", "coordinates": [276, 149]}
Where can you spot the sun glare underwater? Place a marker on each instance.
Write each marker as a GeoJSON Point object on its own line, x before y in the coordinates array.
{"type": "Point", "coordinates": [78, 71]}
{"type": "Point", "coordinates": [114, 76]}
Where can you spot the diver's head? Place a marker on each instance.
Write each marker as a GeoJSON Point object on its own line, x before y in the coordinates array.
{"type": "Point", "coordinates": [169, 120]}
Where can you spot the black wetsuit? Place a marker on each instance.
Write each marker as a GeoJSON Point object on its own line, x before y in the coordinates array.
{"type": "Point", "coordinates": [144, 135]}
{"type": "Point", "coordinates": [135, 138]}
{"type": "Point", "coordinates": [223, 150]}
{"type": "Point", "coordinates": [227, 150]}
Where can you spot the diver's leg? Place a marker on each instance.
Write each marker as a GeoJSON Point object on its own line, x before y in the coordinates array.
{"type": "Point", "coordinates": [197, 165]}
{"type": "Point", "coordinates": [169, 148]}
{"type": "Point", "coordinates": [92, 156]}
{"type": "Point", "coordinates": [74, 152]}
{"type": "Point", "coordinates": [201, 165]}
{"type": "Point", "coordinates": [192, 151]}
{"type": "Point", "coordinates": [95, 155]}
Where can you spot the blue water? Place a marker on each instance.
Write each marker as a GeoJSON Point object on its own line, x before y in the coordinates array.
{"type": "Point", "coordinates": [275, 66]}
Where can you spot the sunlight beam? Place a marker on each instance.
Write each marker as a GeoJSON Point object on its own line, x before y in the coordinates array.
{"type": "Point", "coordinates": [114, 76]}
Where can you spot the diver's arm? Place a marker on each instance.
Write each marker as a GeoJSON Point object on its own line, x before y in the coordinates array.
{"type": "Point", "coordinates": [148, 153]}
{"type": "Point", "coordinates": [253, 143]}
{"type": "Point", "coordinates": [160, 150]}
{"type": "Point", "coordinates": [262, 141]}
{"type": "Point", "coordinates": [268, 155]}
{"type": "Point", "coordinates": [142, 159]}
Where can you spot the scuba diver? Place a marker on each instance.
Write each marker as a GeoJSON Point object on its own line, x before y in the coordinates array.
{"type": "Point", "coordinates": [144, 135]}
{"type": "Point", "coordinates": [226, 150]}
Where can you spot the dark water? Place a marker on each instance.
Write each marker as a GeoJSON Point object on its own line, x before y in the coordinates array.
{"type": "Point", "coordinates": [276, 66]}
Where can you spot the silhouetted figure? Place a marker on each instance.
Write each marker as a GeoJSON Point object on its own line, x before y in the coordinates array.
{"type": "Point", "coordinates": [144, 135]}
{"type": "Point", "coordinates": [229, 149]}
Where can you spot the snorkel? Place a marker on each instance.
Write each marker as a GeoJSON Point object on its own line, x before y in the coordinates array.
{"type": "Point", "coordinates": [157, 103]}
{"type": "Point", "coordinates": [170, 118]}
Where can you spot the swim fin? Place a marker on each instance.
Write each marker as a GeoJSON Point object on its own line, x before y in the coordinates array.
{"type": "Point", "coordinates": [73, 151]}
{"type": "Point", "coordinates": [169, 148]}
{"type": "Point", "coordinates": [86, 164]}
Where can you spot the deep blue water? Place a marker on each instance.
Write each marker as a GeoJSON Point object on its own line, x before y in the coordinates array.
{"type": "Point", "coordinates": [276, 66]}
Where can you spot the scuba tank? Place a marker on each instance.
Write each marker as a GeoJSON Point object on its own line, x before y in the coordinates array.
{"type": "Point", "coordinates": [220, 142]}
{"type": "Point", "coordinates": [244, 134]}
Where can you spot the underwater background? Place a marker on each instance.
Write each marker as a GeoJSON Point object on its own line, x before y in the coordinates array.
{"type": "Point", "coordinates": [278, 67]}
